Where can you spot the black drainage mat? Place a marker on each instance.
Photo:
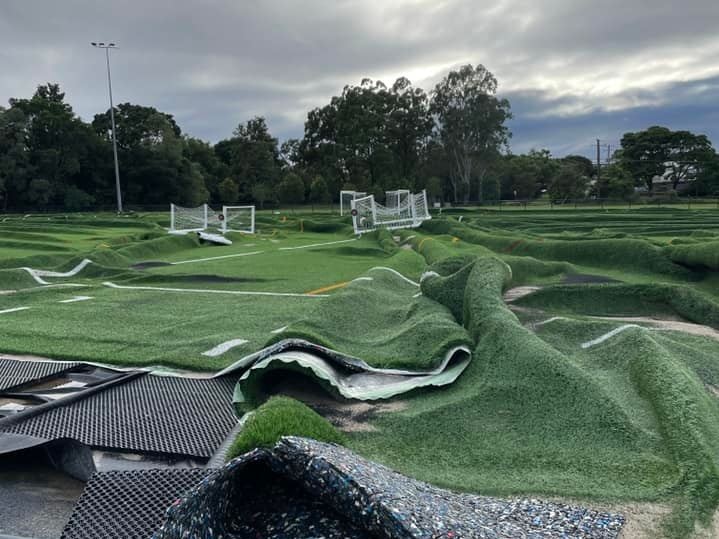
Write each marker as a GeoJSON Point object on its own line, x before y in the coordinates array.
{"type": "Point", "coordinates": [129, 505]}
{"type": "Point", "coordinates": [16, 372]}
{"type": "Point", "coordinates": [147, 414]}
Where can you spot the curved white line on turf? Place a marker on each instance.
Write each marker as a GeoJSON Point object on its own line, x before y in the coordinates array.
{"type": "Point", "coordinates": [215, 258]}
{"type": "Point", "coordinates": [211, 291]}
{"type": "Point", "coordinates": [550, 320]}
{"type": "Point", "coordinates": [362, 279]}
{"type": "Point", "coordinates": [224, 347]}
{"type": "Point", "coordinates": [14, 310]}
{"type": "Point", "coordinates": [315, 245]}
{"type": "Point", "coordinates": [606, 336]}
{"type": "Point", "coordinates": [39, 274]}
{"type": "Point", "coordinates": [418, 294]}
{"type": "Point", "coordinates": [279, 330]}
{"type": "Point", "coordinates": [75, 299]}
{"type": "Point", "coordinates": [398, 274]}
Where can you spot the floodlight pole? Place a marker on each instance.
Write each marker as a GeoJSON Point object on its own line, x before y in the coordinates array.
{"type": "Point", "coordinates": [107, 48]}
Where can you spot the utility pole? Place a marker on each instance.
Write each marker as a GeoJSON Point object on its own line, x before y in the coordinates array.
{"type": "Point", "coordinates": [107, 48]}
{"type": "Point", "coordinates": [599, 160]}
{"type": "Point", "coordinates": [609, 153]}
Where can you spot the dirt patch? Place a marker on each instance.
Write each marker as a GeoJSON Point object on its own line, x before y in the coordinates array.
{"type": "Point", "coordinates": [149, 264]}
{"type": "Point", "coordinates": [513, 294]}
{"type": "Point", "coordinates": [585, 278]}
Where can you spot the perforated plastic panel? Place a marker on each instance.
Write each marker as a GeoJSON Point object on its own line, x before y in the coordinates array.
{"type": "Point", "coordinates": [128, 505]}
{"type": "Point", "coordinates": [15, 372]}
{"type": "Point", "coordinates": [149, 414]}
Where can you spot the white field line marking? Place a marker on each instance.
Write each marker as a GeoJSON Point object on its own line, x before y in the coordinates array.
{"type": "Point", "coordinates": [398, 274]}
{"type": "Point", "coordinates": [550, 320]}
{"type": "Point", "coordinates": [215, 258]}
{"type": "Point", "coordinates": [418, 294]}
{"type": "Point", "coordinates": [279, 330]}
{"type": "Point", "coordinates": [224, 347]}
{"type": "Point", "coordinates": [609, 335]}
{"type": "Point", "coordinates": [211, 291]}
{"type": "Point", "coordinates": [362, 279]}
{"type": "Point", "coordinates": [14, 310]}
{"type": "Point", "coordinates": [75, 299]}
{"type": "Point", "coordinates": [39, 274]}
{"type": "Point", "coordinates": [315, 245]}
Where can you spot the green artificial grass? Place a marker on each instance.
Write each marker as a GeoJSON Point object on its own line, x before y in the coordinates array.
{"type": "Point", "coordinates": [282, 416]}
{"type": "Point", "coordinates": [627, 300]}
{"type": "Point", "coordinates": [381, 322]}
{"type": "Point", "coordinates": [697, 255]}
{"type": "Point", "coordinates": [634, 417]}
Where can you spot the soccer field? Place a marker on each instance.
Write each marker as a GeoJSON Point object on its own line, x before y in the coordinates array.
{"type": "Point", "coordinates": [594, 335]}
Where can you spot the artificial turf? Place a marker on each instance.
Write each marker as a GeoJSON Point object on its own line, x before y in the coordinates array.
{"type": "Point", "coordinates": [282, 416]}
{"type": "Point", "coordinates": [633, 417]}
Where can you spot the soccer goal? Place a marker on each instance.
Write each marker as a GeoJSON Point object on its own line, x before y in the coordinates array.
{"type": "Point", "coordinates": [369, 215]}
{"type": "Point", "coordinates": [346, 198]}
{"type": "Point", "coordinates": [190, 219]}
{"type": "Point", "coordinates": [238, 219]}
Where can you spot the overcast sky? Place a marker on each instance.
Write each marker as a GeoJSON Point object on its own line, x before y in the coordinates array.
{"type": "Point", "coordinates": [573, 70]}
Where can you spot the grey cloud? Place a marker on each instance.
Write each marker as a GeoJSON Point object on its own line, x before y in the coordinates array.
{"type": "Point", "coordinates": [216, 63]}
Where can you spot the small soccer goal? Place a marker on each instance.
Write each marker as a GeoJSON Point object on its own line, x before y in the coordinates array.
{"type": "Point", "coordinates": [369, 215]}
{"type": "Point", "coordinates": [203, 218]}
{"type": "Point", "coordinates": [190, 219]}
{"type": "Point", "coordinates": [238, 219]}
{"type": "Point", "coordinates": [346, 198]}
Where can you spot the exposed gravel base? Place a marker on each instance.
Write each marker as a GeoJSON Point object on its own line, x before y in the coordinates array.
{"type": "Point", "coordinates": [347, 493]}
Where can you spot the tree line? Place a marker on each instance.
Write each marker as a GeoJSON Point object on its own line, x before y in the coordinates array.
{"type": "Point", "coordinates": [452, 141]}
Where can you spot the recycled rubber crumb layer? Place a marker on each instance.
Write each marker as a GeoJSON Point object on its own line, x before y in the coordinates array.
{"type": "Point", "coordinates": [368, 497]}
{"type": "Point", "coordinates": [15, 372]}
{"type": "Point", "coordinates": [128, 504]}
{"type": "Point", "coordinates": [149, 414]}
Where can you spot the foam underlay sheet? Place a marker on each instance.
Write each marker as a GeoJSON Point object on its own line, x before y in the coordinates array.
{"type": "Point", "coordinates": [348, 376]}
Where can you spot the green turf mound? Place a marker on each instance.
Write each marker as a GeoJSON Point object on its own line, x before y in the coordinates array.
{"type": "Point", "coordinates": [627, 300]}
{"type": "Point", "coordinates": [377, 318]}
{"type": "Point", "coordinates": [530, 411]}
{"type": "Point", "coordinates": [704, 255]}
{"type": "Point", "coordinates": [282, 416]}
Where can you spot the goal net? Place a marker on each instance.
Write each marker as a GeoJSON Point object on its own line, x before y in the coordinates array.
{"type": "Point", "coordinates": [369, 215]}
{"type": "Point", "coordinates": [346, 198]}
{"type": "Point", "coordinates": [238, 219]}
{"type": "Point", "coordinates": [397, 200]}
{"type": "Point", "coordinates": [189, 219]}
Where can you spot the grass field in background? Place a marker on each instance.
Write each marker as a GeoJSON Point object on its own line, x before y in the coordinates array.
{"type": "Point", "coordinates": [563, 396]}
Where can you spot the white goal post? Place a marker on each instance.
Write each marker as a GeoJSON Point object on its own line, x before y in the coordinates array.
{"type": "Point", "coordinates": [369, 215]}
{"type": "Point", "coordinates": [238, 219]}
{"type": "Point", "coordinates": [346, 198]}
